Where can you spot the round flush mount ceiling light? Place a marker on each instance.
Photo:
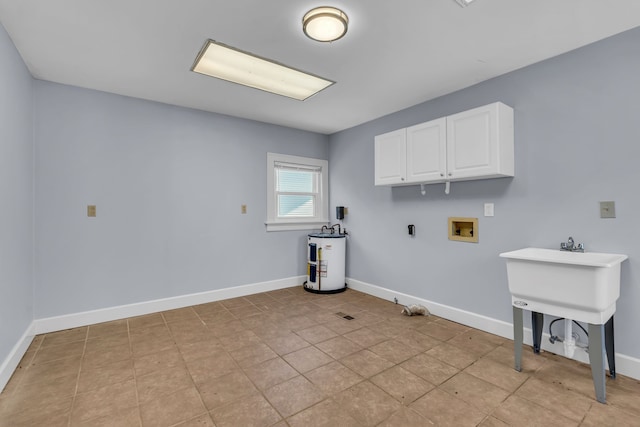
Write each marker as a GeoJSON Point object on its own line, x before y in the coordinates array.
{"type": "Point", "coordinates": [325, 24]}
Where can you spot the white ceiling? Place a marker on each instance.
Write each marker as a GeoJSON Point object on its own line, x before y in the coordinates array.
{"type": "Point", "coordinates": [396, 54]}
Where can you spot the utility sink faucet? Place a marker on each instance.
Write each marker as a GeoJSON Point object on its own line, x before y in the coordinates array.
{"type": "Point", "coordinates": [570, 246]}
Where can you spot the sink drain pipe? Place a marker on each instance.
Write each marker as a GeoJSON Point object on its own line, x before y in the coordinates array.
{"type": "Point", "coordinates": [569, 341]}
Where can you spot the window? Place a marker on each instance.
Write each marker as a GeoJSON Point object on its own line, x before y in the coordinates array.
{"type": "Point", "coordinates": [297, 190]}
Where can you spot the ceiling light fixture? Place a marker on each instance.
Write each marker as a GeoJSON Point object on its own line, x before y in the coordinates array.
{"type": "Point", "coordinates": [325, 24]}
{"type": "Point", "coordinates": [233, 65]}
{"type": "Point", "coordinates": [464, 3]}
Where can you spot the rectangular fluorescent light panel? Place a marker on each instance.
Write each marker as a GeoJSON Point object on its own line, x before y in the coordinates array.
{"type": "Point", "coordinates": [233, 65]}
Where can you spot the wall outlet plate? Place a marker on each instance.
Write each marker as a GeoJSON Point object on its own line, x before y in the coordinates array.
{"type": "Point", "coordinates": [608, 209]}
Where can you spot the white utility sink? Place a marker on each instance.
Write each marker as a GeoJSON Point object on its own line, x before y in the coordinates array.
{"type": "Point", "coordinates": [574, 285]}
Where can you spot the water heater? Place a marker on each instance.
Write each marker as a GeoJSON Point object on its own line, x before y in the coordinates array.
{"type": "Point", "coordinates": [325, 263]}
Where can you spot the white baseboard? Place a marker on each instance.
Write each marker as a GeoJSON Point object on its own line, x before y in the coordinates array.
{"type": "Point", "coordinates": [67, 321]}
{"type": "Point", "coordinates": [11, 362]}
{"type": "Point", "coordinates": [74, 320]}
{"type": "Point", "coordinates": [625, 365]}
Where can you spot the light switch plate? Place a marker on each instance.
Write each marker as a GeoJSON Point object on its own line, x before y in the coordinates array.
{"type": "Point", "coordinates": [243, 209]}
{"type": "Point", "coordinates": [488, 209]}
{"type": "Point", "coordinates": [91, 210]}
{"type": "Point", "coordinates": [608, 209]}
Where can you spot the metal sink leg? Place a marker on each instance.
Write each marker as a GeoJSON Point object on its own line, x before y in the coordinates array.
{"type": "Point", "coordinates": [537, 323]}
{"type": "Point", "coordinates": [596, 359]}
{"type": "Point", "coordinates": [611, 348]}
{"type": "Point", "coordinates": [517, 337]}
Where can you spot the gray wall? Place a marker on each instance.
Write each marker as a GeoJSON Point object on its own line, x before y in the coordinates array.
{"type": "Point", "coordinates": [16, 197]}
{"type": "Point", "coordinates": [168, 183]}
{"type": "Point", "coordinates": [576, 132]}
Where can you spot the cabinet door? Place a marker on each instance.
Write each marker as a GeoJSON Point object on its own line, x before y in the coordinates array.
{"type": "Point", "coordinates": [391, 158]}
{"type": "Point", "coordinates": [470, 144]}
{"type": "Point", "coordinates": [427, 151]}
{"type": "Point", "coordinates": [480, 143]}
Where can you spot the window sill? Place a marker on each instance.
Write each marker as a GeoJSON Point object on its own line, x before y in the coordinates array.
{"type": "Point", "coordinates": [292, 226]}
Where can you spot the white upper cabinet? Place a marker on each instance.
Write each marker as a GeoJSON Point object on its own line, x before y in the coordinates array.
{"type": "Point", "coordinates": [391, 158]}
{"type": "Point", "coordinates": [411, 155]}
{"type": "Point", "coordinates": [480, 143]}
{"type": "Point", "coordinates": [474, 144]}
{"type": "Point", "coordinates": [427, 151]}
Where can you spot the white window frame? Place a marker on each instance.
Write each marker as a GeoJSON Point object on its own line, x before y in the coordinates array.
{"type": "Point", "coordinates": [321, 218]}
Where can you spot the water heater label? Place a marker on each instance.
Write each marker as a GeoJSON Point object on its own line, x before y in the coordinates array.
{"type": "Point", "coordinates": [323, 268]}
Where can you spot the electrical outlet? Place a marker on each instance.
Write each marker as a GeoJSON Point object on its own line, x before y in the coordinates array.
{"type": "Point", "coordinates": [91, 210]}
{"type": "Point", "coordinates": [608, 209]}
{"type": "Point", "coordinates": [488, 209]}
{"type": "Point", "coordinates": [243, 209]}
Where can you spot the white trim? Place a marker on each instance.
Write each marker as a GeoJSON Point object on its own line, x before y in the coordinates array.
{"type": "Point", "coordinates": [276, 226]}
{"type": "Point", "coordinates": [273, 223]}
{"type": "Point", "coordinates": [58, 323]}
{"type": "Point", "coordinates": [625, 365]}
{"type": "Point", "coordinates": [10, 363]}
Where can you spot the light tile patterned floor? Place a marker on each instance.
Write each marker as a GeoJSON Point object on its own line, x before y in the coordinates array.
{"type": "Point", "coordinates": [285, 358]}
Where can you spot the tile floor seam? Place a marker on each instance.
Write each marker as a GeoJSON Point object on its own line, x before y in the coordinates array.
{"type": "Point", "coordinates": [485, 419]}
{"type": "Point", "coordinates": [195, 385]}
{"type": "Point", "coordinates": [135, 375]}
{"type": "Point", "coordinates": [390, 368]}
{"type": "Point", "coordinates": [262, 392]}
{"type": "Point", "coordinates": [298, 412]}
{"type": "Point", "coordinates": [244, 373]}
{"type": "Point", "coordinates": [584, 416]}
{"type": "Point", "coordinates": [200, 318]}
{"type": "Point", "coordinates": [490, 414]}
{"type": "Point", "coordinates": [283, 418]}
{"type": "Point", "coordinates": [75, 392]}
{"type": "Point", "coordinates": [524, 396]}
{"type": "Point", "coordinates": [323, 352]}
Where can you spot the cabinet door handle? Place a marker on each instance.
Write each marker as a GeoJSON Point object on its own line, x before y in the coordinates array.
{"type": "Point", "coordinates": [441, 174]}
{"type": "Point", "coordinates": [401, 179]}
{"type": "Point", "coordinates": [450, 174]}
